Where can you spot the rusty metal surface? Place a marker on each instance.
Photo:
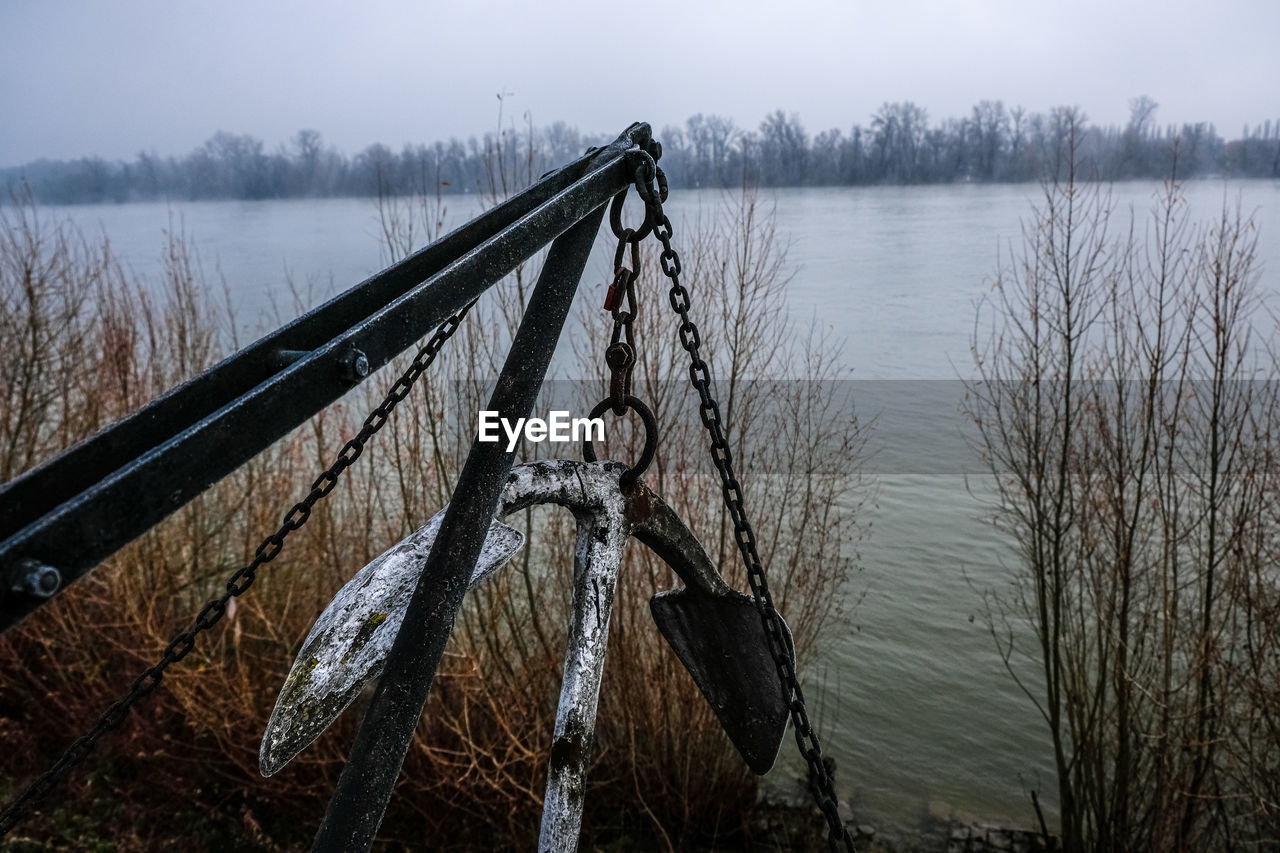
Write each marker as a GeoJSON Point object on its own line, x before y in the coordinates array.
{"type": "Point", "coordinates": [656, 524]}
{"type": "Point", "coordinates": [348, 644]}
{"type": "Point", "coordinates": [719, 640]}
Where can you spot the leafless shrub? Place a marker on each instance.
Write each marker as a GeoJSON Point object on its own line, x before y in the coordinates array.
{"type": "Point", "coordinates": [476, 771]}
{"type": "Point", "coordinates": [1124, 414]}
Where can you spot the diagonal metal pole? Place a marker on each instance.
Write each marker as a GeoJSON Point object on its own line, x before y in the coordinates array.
{"type": "Point", "coordinates": [78, 509]}
{"type": "Point", "coordinates": [363, 790]}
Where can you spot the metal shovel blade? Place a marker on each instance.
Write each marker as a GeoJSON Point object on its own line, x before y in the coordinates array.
{"type": "Point", "coordinates": [720, 641]}
{"type": "Point", "coordinates": [349, 642]}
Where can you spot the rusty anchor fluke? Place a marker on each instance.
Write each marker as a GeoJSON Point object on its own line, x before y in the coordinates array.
{"type": "Point", "coordinates": [715, 631]}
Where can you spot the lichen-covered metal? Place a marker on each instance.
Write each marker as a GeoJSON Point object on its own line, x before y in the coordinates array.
{"type": "Point", "coordinates": [714, 630]}
{"type": "Point", "coordinates": [348, 644]}
{"type": "Point", "coordinates": [591, 491]}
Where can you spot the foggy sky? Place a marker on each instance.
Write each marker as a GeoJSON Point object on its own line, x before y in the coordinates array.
{"type": "Point", "coordinates": [91, 78]}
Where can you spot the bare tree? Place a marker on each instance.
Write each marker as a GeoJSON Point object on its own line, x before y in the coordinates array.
{"type": "Point", "coordinates": [1130, 449]}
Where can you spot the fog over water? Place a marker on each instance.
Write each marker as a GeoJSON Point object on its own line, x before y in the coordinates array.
{"type": "Point", "coordinates": [85, 79]}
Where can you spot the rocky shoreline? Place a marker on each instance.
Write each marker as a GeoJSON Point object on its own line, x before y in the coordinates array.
{"type": "Point", "coordinates": [791, 822]}
{"type": "Point", "coordinates": [789, 828]}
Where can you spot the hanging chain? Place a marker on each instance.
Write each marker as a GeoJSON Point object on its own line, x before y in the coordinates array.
{"type": "Point", "coordinates": [182, 645]}
{"type": "Point", "coordinates": [620, 356]}
{"type": "Point", "coordinates": [821, 783]}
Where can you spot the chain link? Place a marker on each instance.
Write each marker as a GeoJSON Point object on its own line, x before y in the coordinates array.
{"type": "Point", "coordinates": [620, 356]}
{"type": "Point", "coordinates": [239, 582]}
{"type": "Point", "coordinates": [821, 783]}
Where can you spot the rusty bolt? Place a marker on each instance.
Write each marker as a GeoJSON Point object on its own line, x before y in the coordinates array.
{"type": "Point", "coordinates": [355, 366]}
{"type": "Point", "coordinates": [35, 579]}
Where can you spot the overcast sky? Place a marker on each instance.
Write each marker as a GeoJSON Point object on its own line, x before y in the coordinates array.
{"type": "Point", "coordinates": [111, 79]}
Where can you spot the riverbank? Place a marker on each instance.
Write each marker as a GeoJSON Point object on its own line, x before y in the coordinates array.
{"type": "Point", "coordinates": [788, 820]}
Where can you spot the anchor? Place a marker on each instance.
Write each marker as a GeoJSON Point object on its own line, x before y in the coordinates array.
{"type": "Point", "coordinates": [714, 630]}
{"type": "Point", "coordinates": [391, 622]}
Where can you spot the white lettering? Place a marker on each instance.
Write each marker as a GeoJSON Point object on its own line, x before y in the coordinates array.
{"type": "Point", "coordinates": [488, 426]}
{"type": "Point", "coordinates": [592, 429]}
{"type": "Point", "coordinates": [558, 427]}
{"type": "Point", "coordinates": [513, 433]}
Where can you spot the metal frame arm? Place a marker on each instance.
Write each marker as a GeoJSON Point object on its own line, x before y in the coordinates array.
{"type": "Point", "coordinates": [84, 505]}
{"type": "Point", "coordinates": [374, 762]}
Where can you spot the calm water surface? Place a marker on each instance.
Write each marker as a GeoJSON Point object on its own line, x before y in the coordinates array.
{"type": "Point", "coordinates": [913, 701]}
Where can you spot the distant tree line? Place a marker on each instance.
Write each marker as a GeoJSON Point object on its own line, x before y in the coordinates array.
{"type": "Point", "coordinates": [239, 166]}
{"type": "Point", "coordinates": [899, 146]}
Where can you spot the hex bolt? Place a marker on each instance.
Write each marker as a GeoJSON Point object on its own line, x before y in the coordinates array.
{"type": "Point", "coordinates": [35, 579]}
{"type": "Point", "coordinates": [619, 355]}
{"type": "Point", "coordinates": [354, 366]}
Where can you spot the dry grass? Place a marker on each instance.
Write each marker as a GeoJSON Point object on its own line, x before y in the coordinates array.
{"type": "Point", "coordinates": [182, 773]}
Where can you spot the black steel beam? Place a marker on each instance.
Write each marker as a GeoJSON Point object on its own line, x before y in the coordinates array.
{"type": "Point", "coordinates": [34, 493]}
{"type": "Point", "coordinates": [378, 752]}
{"type": "Point", "coordinates": [81, 507]}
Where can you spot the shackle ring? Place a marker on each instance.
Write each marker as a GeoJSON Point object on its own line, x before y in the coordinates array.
{"type": "Point", "coordinates": [632, 236]}
{"type": "Point", "coordinates": [650, 436]}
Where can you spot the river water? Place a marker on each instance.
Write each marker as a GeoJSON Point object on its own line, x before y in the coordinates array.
{"type": "Point", "coordinates": [913, 700]}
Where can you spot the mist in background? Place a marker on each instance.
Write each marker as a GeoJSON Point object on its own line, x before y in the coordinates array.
{"type": "Point", "coordinates": [113, 80]}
